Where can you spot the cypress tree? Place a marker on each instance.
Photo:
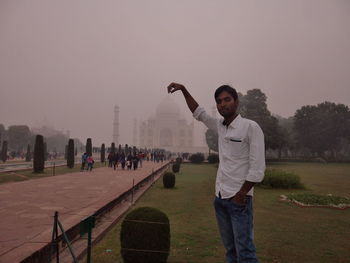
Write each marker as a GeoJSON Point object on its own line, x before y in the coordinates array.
{"type": "Point", "coordinates": [28, 154]}
{"type": "Point", "coordinates": [70, 154]}
{"type": "Point", "coordinates": [39, 154]}
{"type": "Point", "coordinates": [4, 151]}
{"type": "Point", "coordinates": [103, 153]}
{"type": "Point", "coordinates": [89, 147]}
{"type": "Point", "coordinates": [113, 148]}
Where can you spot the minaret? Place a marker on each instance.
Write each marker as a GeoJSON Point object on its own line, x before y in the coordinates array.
{"type": "Point", "coordinates": [134, 134]}
{"type": "Point", "coordinates": [116, 125]}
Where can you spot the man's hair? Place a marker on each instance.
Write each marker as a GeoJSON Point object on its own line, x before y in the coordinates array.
{"type": "Point", "coordinates": [228, 89]}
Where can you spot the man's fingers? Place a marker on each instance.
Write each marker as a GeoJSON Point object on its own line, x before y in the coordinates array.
{"type": "Point", "coordinates": [170, 87]}
{"type": "Point", "coordinates": [174, 87]}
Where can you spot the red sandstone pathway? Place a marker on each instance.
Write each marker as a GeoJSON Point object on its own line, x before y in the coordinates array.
{"type": "Point", "coordinates": [27, 208]}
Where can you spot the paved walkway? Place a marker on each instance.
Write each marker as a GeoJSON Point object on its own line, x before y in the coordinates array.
{"type": "Point", "coordinates": [27, 208]}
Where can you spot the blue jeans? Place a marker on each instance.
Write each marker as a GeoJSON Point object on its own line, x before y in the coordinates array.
{"type": "Point", "coordinates": [236, 228]}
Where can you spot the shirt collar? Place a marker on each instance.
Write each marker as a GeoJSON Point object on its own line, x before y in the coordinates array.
{"type": "Point", "coordinates": [234, 123]}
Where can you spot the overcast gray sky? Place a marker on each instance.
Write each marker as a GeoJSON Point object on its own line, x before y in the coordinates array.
{"type": "Point", "coordinates": [70, 62]}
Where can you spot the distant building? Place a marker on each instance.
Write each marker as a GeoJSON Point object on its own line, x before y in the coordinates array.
{"type": "Point", "coordinates": [47, 129]}
{"type": "Point", "coordinates": [168, 130]}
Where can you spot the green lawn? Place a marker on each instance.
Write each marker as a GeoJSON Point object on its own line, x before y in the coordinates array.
{"type": "Point", "coordinates": [283, 232]}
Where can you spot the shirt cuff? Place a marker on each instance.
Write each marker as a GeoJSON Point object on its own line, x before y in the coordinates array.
{"type": "Point", "coordinates": [255, 177]}
{"type": "Point", "coordinates": [197, 112]}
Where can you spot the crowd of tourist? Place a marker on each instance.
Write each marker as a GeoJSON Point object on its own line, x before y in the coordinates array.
{"type": "Point", "coordinates": [129, 161]}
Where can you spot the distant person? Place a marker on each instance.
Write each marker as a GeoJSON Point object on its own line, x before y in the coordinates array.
{"type": "Point", "coordinates": [141, 156]}
{"type": "Point", "coordinates": [115, 160]}
{"type": "Point", "coordinates": [83, 161]}
{"type": "Point", "coordinates": [242, 165]}
{"type": "Point", "coordinates": [122, 160]}
{"type": "Point", "coordinates": [90, 163]}
{"type": "Point", "coordinates": [129, 161]}
{"type": "Point", "coordinates": [110, 159]}
{"type": "Point", "coordinates": [135, 161]}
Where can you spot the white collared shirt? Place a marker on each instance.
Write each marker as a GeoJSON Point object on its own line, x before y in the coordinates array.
{"type": "Point", "coordinates": [241, 152]}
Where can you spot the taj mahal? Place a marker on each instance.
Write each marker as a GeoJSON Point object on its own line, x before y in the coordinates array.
{"type": "Point", "coordinates": [168, 129]}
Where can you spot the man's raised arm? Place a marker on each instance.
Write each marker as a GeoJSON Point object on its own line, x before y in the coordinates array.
{"type": "Point", "coordinates": [191, 102]}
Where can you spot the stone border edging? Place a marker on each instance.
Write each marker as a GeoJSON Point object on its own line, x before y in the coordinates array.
{"type": "Point", "coordinates": [284, 198]}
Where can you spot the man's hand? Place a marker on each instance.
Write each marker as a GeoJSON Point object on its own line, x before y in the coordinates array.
{"type": "Point", "coordinates": [239, 198]}
{"type": "Point", "coordinates": [191, 103]}
{"type": "Point", "coordinates": [174, 87]}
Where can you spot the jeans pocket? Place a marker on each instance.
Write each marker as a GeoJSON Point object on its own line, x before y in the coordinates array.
{"type": "Point", "coordinates": [238, 205]}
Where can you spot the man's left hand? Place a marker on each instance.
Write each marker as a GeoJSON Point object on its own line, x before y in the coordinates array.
{"type": "Point", "coordinates": [239, 198]}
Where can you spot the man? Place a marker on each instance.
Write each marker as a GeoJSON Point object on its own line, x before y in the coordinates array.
{"type": "Point", "coordinates": [242, 164]}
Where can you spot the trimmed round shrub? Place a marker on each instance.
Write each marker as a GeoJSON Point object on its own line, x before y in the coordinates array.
{"type": "Point", "coordinates": [213, 158]}
{"type": "Point", "coordinates": [169, 180]}
{"type": "Point", "coordinates": [197, 158]}
{"type": "Point", "coordinates": [178, 160]}
{"type": "Point", "coordinates": [281, 179]}
{"type": "Point", "coordinates": [145, 236]}
{"type": "Point", "coordinates": [176, 167]}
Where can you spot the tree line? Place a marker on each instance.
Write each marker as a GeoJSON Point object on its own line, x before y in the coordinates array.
{"type": "Point", "coordinates": [315, 131]}
{"type": "Point", "coordinates": [19, 140]}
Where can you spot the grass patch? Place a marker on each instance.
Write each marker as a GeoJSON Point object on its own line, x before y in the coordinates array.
{"type": "Point", "coordinates": [284, 233]}
{"type": "Point", "coordinates": [314, 199]}
{"type": "Point", "coordinates": [275, 178]}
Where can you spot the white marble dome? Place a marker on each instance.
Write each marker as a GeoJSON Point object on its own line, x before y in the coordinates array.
{"type": "Point", "coordinates": [167, 108]}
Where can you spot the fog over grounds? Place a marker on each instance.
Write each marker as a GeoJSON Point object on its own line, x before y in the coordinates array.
{"type": "Point", "coordinates": [69, 62]}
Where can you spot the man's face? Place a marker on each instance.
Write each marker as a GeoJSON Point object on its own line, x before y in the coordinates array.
{"type": "Point", "coordinates": [226, 104]}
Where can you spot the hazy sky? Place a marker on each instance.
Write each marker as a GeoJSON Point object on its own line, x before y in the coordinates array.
{"type": "Point", "coordinates": [70, 62]}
